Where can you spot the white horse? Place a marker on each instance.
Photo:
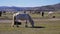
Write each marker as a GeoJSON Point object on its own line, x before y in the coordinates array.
{"type": "Point", "coordinates": [22, 16]}
{"type": "Point", "coordinates": [50, 13]}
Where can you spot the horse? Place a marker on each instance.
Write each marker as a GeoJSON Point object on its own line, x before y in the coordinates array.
{"type": "Point", "coordinates": [50, 13]}
{"type": "Point", "coordinates": [22, 16]}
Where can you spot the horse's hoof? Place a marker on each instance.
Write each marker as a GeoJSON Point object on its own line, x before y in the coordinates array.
{"type": "Point", "coordinates": [26, 26]}
{"type": "Point", "coordinates": [12, 26]}
{"type": "Point", "coordinates": [17, 26]}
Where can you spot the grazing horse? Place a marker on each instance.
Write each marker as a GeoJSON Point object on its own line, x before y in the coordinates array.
{"type": "Point", "coordinates": [50, 13]}
{"type": "Point", "coordinates": [22, 16]}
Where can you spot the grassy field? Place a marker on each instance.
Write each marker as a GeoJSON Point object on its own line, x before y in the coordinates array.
{"type": "Point", "coordinates": [9, 15]}
{"type": "Point", "coordinates": [41, 26]}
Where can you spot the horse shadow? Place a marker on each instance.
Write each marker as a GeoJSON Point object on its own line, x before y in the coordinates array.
{"type": "Point", "coordinates": [36, 27]}
{"type": "Point", "coordinates": [19, 23]}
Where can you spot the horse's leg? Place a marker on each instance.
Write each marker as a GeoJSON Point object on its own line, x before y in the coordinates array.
{"type": "Point", "coordinates": [17, 25]}
{"type": "Point", "coordinates": [26, 24]}
{"type": "Point", "coordinates": [12, 25]}
{"type": "Point", "coordinates": [13, 22]}
{"type": "Point", "coordinates": [32, 24]}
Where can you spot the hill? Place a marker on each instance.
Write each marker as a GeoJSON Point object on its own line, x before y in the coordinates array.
{"type": "Point", "coordinates": [48, 7]}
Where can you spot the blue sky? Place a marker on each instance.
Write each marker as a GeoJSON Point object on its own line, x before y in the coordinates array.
{"type": "Point", "coordinates": [28, 3]}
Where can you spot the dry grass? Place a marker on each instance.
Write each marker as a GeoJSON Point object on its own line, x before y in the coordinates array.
{"type": "Point", "coordinates": [46, 26]}
{"type": "Point", "coordinates": [50, 27]}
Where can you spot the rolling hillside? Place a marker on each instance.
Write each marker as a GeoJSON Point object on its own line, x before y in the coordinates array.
{"type": "Point", "coordinates": [48, 7]}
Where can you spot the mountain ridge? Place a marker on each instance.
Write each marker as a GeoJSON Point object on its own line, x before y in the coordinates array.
{"type": "Point", "coordinates": [13, 8]}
